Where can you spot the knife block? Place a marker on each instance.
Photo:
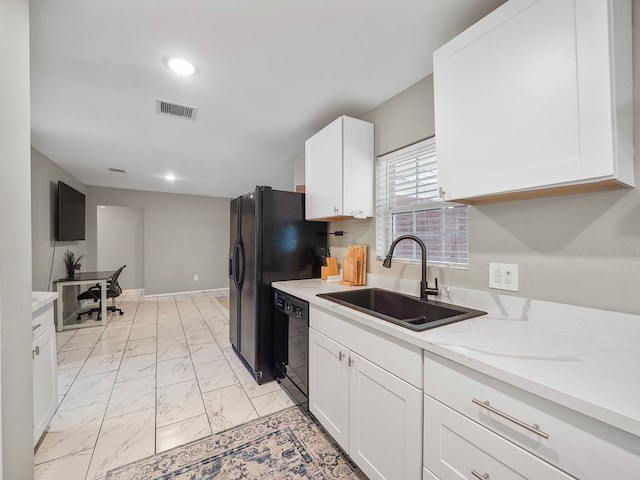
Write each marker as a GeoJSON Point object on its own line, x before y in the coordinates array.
{"type": "Point", "coordinates": [330, 269]}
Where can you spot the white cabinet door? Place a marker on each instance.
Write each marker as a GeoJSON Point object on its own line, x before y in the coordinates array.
{"type": "Point", "coordinates": [323, 172]}
{"type": "Point", "coordinates": [339, 171]}
{"type": "Point", "coordinates": [385, 428]}
{"type": "Point", "coordinates": [329, 385]}
{"type": "Point", "coordinates": [357, 168]}
{"type": "Point", "coordinates": [536, 99]}
{"type": "Point", "coordinates": [45, 396]}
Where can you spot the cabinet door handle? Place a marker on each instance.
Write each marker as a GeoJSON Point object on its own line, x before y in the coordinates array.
{"type": "Point", "coordinates": [484, 476]}
{"type": "Point", "coordinates": [37, 350]}
{"type": "Point", "coordinates": [336, 209]}
{"type": "Point", "coordinates": [340, 356]}
{"type": "Point", "coordinates": [532, 428]}
{"type": "Point", "coordinates": [351, 361]}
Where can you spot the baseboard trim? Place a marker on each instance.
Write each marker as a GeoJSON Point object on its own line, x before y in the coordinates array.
{"type": "Point", "coordinates": [210, 290]}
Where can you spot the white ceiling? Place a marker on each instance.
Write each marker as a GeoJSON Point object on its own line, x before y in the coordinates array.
{"type": "Point", "coordinates": [270, 74]}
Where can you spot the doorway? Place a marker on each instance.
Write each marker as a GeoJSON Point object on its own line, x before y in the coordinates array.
{"type": "Point", "coordinates": [120, 241]}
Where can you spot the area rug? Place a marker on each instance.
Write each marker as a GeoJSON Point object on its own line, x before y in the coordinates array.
{"type": "Point", "coordinates": [286, 445]}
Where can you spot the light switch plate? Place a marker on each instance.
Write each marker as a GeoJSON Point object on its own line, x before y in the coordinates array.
{"type": "Point", "coordinates": [503, 276]}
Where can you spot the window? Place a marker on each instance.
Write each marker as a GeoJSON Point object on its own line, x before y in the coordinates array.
{"type": "Point", "coordinates": [407, 202]}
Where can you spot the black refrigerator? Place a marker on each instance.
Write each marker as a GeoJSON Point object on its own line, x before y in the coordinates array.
{"type": "Point", "coordinates": [270, 241]}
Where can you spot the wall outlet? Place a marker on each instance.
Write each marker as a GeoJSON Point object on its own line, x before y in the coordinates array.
{"type": "Point", "coordinates": [503, 276]}
{"type": "Point", "coordinates": [195, 278]}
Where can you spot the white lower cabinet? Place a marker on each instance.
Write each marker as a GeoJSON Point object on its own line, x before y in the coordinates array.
{"type": "Point", "coordinates": [456, 448]}
{"type": "Point", "coordinates": [476, 423]}
{"type": "Point", "coordinates": [384, 422]}
{"type": "Point", "coordinates": [45, 388]}
{"type": "Point", "coordinates": [375, 416]}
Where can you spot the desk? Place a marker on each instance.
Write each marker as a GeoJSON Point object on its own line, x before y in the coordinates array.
{"type": "Point", "coordinates": [83, 278]}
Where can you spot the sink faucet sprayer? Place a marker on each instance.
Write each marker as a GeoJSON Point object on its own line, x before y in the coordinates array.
{"type": "Point", "coordinates": [424, 286]}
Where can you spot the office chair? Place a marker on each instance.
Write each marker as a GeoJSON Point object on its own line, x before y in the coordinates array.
{"type": "Point", "coordinates": [113, 290]}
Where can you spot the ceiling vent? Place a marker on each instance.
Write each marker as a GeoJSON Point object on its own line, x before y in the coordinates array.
{"type": "Point", "coordinates": [175, 110]}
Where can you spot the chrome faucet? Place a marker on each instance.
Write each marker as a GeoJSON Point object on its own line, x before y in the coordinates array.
{"type": "Point", "coordinates": [424, 286]}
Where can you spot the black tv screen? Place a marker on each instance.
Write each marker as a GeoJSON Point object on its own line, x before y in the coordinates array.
{"type": "Point", "coordinates": [70, 215]}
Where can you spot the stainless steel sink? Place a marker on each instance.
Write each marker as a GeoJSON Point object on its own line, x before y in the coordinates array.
{"type": "Point", "coordinates": [404, 310]}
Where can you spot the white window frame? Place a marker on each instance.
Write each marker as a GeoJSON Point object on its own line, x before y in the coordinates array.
{"type": "Point", "coordinates": [413, 195]}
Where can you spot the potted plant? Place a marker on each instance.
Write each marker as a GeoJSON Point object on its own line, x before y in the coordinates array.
{"type": "Point", "coordinates": [71, 263]}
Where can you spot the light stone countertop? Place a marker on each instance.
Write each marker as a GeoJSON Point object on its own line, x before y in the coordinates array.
{"type": "Point", "coordinates": [42, 299]}
{"type": "Point", "coordinates": [582, 358]}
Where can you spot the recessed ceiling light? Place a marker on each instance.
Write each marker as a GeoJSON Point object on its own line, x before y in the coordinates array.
{"type": "Point", "coordinates": [170, 177]}
{"type": "Point", "coordinates": [181, 66]}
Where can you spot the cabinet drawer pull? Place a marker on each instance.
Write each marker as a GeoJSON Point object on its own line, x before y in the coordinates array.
{"type": "Point", "coordinates": [36, 327]}
{"type": "Point", "coordinates": [484, 476]}
{"type": "Point", "coordinates": [340, 356]}
{"type": "Point", "coordinates": [532, 428]}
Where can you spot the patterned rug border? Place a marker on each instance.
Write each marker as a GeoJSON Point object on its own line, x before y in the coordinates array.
{"type": "Point", "coordinates": [179, 458]}
{"type": "Point", "coordinates": [186, 467]}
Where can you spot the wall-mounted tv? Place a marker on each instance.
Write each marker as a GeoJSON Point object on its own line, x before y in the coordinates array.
{"type": "Point", "coordinates": [70, 214]}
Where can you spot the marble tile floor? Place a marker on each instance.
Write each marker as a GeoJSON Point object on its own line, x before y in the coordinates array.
{"type": "Point", "coordinates": [161, 375]}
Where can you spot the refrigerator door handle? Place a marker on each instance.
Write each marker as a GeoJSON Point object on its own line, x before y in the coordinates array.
{"type": "Point", "coordinates": [241, 266]}
{"type": "Point", "coordinates": [233, 263]}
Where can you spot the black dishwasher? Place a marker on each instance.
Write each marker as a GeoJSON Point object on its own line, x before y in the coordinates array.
{"type": "Point", "coordinates": [291, 348]}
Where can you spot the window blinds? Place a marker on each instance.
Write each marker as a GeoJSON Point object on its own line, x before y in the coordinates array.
{"type": "Point", "coordinates": [407, 202]}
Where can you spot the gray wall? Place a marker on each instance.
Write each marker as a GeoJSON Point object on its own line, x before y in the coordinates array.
{"type": "Point", "coordinates": [298, 171]}
{"type": "Point", "coordinates": [16, 393]}
{"type": "Point", "coordinates": [46, 253]}
{"type": "Point", "coordinates": [171, 256]}
{"type": "Point", "coordinates": [183, 235]}
{"type": "Point", "coordinates": [120, 241]}
{"type": "Point", "coordinates": [579, 249]}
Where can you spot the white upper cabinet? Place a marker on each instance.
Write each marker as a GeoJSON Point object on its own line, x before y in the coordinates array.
{"type": "Point", "coordinates": [339, 171]}
{"type": "Point", "coordinates": [536, 100]}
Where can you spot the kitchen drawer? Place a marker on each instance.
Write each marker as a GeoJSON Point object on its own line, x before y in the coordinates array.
{"type": "Point", "coordinates": [577, 444]}
{"type": "Point", "coordinates": [399, 358]}
{"type": "Point", "coordinates": [41, 320]}
{"type": "Point", "coordinates": [455, 446]}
